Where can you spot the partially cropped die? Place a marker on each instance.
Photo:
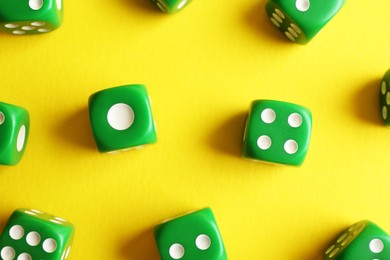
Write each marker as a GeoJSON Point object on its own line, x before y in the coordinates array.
{"type": "Point", "coordinates": [30, 16]}
{"type": "Point", "coordinates": [171, 6]}
{"type": "Point", "coordinates": [31, 234]}
{"type": "Point", "coordinates": [384, 98]}
{"type": "Point", "coordinates": [14, 129]}
{"type": "Point", "coordinates": [363, 240]}
{"type": "Point", "coordinates": [189, 237]}
{"type": "Point", "coordinates": [301, 20]}
{"type": "Point", "coordinates": [121, 118]}
{"type": "Point", "coordinates": [277, 132]}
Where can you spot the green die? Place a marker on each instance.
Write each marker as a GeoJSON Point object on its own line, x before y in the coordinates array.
{"type": "Point", "coordinates": [194, 236]}
{"type": "Point", "coordinates": [362, 241]}
{"type": "Point", "coordinates": [301, 20]}
{"type": "Point", "coordinates": [384, 97]}
{"type": "Point", "coordinates": [171, 6]}
{"type": "Point", "coordinates": [30, 16]}
{"type": "Point", "coordinates": [32, 234]}
{"type": "Point", "coordinates": [277, 132]}
{"type": "Point", "coordinates": [14, 129]}
{"type": "Point", "coordinates": [121, 118]}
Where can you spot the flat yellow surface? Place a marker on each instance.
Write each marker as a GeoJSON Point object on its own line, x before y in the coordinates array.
{"type": "Point", "coordinates": [202, 67]}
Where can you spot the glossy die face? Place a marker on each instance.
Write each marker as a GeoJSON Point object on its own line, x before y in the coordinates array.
{"type": "Point", "coordinates": [32, 234]}
{"type": "Point", "coordinates": [277, 132]}
{"type": "Point", "coordinates": [171, 6]}
{"type": "Point", "coordinates": [301, 20]}
{"type": "Point", "coordinates": [21, 17]}
{"type": "Point", "coordinates": [363, 240]}
{"type": "Point", "coordinates": [384, 98]}
{"type": "Point", "coordinates": [121, 118]}
{"type": "Point", "coordinates": [190, 237]}
{"type": "Point", "coordinates": [14, 129]}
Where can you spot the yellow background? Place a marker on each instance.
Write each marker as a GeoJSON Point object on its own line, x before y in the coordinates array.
{"type": "Point", "coordinates": [202, 67]}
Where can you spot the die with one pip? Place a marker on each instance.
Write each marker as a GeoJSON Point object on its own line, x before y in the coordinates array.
{"type": "Point", "coordinates": [31, 234]}
{"type": "Point", "coordinates": [363, 240]}
{"type": "Point", "coordinates": [121, 118]}
{"type": "Point", "coordinates": [277, 132]}
{"type": "Point", "coordinates": [301, 20]}
{"type": "Point", "coordinates": [30, 16]}
{"type": "Point", "coordinates": [14, 130]}
{"type": "Point", "coordinates": [194, 236]}
{"type": "Point", "coordinates": [171, 6]}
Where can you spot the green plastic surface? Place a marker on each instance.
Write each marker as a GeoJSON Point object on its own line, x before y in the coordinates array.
{"type": "Point", "coordinates": [22, 17]}
{"type": "Point", "coordinates": [194, 236]}
{"type": "Point", "coordinates": [277, 132]}
{"type": "Point", "coordinates": [384, 98]}
{"type": "Point", "coordinates": [171, 6]}
{"type": "Point", "coordinates": [301, 20]}
{"type": "Point", "coordinates": [130, 125]}
{"type": "Point", "coordinates": [14, 130]}
{"type": "Point", "coordinates": [32, 234]}
{"type": "Point", "coordinates": [362, 241]}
